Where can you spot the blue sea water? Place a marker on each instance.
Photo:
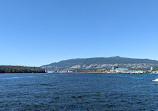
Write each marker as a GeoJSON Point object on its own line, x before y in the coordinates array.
{"type": "Point", "coordinates": [78, 92]}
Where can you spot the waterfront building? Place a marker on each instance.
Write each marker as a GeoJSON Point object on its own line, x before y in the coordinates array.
{"type": "Point", "coordinates": [136, 71]}
{"type": "Point", "coordinates": [122, 70]}
{"type": "Point", "coordinates": [113, 69]}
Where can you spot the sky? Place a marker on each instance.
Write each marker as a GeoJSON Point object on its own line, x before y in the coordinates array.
{"type": "Point", "coordinates": [39, 32]}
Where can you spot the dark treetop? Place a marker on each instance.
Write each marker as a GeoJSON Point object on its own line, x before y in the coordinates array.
{"type": "Point", "coordinates": [20, 69]}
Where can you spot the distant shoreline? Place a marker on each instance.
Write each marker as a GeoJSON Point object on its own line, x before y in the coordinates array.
{"type": "Point", "coordinates": [97, 73]}
{"type": "Point", "coordinates": [21, 69]}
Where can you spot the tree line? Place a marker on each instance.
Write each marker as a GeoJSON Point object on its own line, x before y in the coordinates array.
{"type": "Point", "coordinates": [20, 69]}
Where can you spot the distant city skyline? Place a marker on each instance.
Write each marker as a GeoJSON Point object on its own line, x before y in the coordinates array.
{"type": "Point", "coordinates": [39, 32]}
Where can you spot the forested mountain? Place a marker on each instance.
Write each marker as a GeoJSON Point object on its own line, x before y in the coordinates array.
{"type": "Point", "coordinates": [100, 63]}
{"type": "Point", "coordinates": [20, 69]}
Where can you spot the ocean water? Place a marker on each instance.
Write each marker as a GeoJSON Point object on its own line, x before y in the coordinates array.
{"type": "Point", "coordinates": [78, 92]}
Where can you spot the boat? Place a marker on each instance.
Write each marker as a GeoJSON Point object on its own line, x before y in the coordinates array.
{"type": "Point", "coordinates": [156, 80]}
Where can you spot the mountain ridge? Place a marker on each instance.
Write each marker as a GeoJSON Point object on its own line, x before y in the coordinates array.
{"type": "Point", "coordinates": [100, 63]}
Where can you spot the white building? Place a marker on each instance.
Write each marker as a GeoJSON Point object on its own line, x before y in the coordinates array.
{"type": "Point", "coordinates": [122, 70]}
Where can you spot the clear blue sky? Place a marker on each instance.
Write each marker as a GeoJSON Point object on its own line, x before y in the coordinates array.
{"type": "Point", "coordinates": [38, 32]}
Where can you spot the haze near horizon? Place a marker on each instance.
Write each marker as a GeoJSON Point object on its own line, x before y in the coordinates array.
{"type": "Point", "coordinates": [39, 32]}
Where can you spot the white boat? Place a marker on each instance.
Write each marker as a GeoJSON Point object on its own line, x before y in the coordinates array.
{"type": "Point", "coordinates": [156, 80]}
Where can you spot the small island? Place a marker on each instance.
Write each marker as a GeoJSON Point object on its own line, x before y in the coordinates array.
{"type": "Point", "coordinates": [21, 69]}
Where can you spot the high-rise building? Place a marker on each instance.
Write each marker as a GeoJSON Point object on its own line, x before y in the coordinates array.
{"type": "Point", "coordinates": [113, 69]}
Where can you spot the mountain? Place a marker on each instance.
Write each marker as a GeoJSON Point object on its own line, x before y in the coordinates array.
{"type": "Point", "coordinates": [100, 63]}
